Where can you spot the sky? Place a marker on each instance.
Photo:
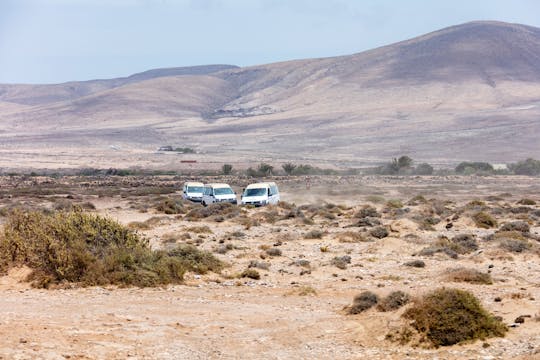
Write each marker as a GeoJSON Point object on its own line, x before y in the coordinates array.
{"type": "Point", "coordinates": [52, 41]}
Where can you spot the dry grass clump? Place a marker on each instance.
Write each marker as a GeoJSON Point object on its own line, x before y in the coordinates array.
{"type": "Point", "coordinates": [393, 301]}
{"type": "Point", "coordinates": [446, 317]}
{"type": "Point", "coordinates": [88, 249]}
{"type": "Point", "coordinates": [484, 220]}
{"type": "Point", "coordinates": [472, 276]}
{"type": "Point", "coordinates": [362, 302]}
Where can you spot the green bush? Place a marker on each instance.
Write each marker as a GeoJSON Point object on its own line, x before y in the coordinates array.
{"type": "Point", "coordinates": [88, 249]}
{"type": "Point", "coordinates": [450, 316]}
{"type": "Point", "coordinates": [226, 169]}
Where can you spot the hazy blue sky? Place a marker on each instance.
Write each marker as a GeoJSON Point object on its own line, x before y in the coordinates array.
{"type": "Point", "coordinates": [60, 40]}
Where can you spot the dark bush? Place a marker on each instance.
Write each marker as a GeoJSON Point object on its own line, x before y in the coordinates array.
{"type": "Point", "coordinates": [362, 302]}
{"type": "Point", "coordinates": [215, 211]}
{"type": "Point", "coordinates": [514, 245]}
{"type": "Point", "coordinates": [450, 316]}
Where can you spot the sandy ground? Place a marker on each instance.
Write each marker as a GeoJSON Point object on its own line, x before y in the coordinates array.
{"type": "Point", "coordinates": [290, 313]}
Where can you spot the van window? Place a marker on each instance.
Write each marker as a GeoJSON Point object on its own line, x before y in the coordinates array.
{"type": "Point", "coordinates": [195, 189]}
{"type": "Point", "coordinates": [223, 191]}
{"type": "Point", "coordinates": [255, 192]}
{"type": "Point", "coordinates": [274, 190]}
{"type": "Point", "coordinates": [207, 191]}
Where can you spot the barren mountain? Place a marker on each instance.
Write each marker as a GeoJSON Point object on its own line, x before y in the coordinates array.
{"type": "Point", "coordinates": [468, 92]}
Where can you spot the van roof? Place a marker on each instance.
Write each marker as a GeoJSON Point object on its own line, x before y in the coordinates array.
{"type": "Point", "coordinates": [193, 183]}
{"type": "Point", "coordinates": [260, 185]}
{"type": "Point", "coordinates": [218, 185]}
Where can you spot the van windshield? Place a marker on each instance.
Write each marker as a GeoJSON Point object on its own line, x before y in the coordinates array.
{"type": "Point", "coordinates": [223, 191]}
{"type": "Point", "coordinates": [255, 192]}
{"type": "Point", "coordinates": [195, 189]}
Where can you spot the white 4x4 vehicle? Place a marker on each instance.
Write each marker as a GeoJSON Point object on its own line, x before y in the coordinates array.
{"type": "Point", "coordinates": [193, 191]}
{"type": "Point", "coordinates": [214, 193]}
{"type": "Point", "coordinates": [261, 194]}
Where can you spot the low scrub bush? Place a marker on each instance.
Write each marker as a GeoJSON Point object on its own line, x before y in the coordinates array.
{"type": "Point", "coordinates": [520, 226]}
{"type": "Point", "coordinates": [314, 234]}
{"type": "Point", "coordinates": [449, 316]}
{"type": "Point", "coordinates": [362, 302]}
{"type": "Point", "coordinates": [88, 249]}
{"type": "Point", "coordinates": [393, 301]}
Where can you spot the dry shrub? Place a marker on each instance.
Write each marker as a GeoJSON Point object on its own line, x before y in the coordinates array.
{"type": "Point", "coordinates": [520, 226]}
{"type": "Point", "coordinates": [526, 201]}
{"type": "Point", "coordinates": [251, 274]}
{"type": "Point", "coordinates": [446, 317]}
{"type": "Point", "coordinates": [204, 229]}
{"type": "Point", "coordinates": [170, 206]}
{"type": "Point", "coordinates": [88, 249]}
{"type": "Point", "coordinates": [394, 204]}
{"type": "Point", "coordinates": [273, 252]}
{"type": "Point", "coordinates": [472, 276]}
{"type": "Point", "coordinates": [314, 234]}
{"type": "Point", "coordinates": [415, 263]}
{"type": "Point", "coordinates": [341, 262]}
{"type": "Point", "coordinates": [379, 232]}
{"type": "Point", "coordinates": [514, 245]}
{"type": "Point", "coordinates": [393, 301]}
{"type": "Point", "coordinates": [306, 291]}
{"type": "Point", "coordinates": [217, 212]}
{"type": "Point", "coordinates": [362, 302]}
{"type": "Point", "coordinates": [484, 220]}
{"type": "Point", "coordinates": [367, 211]}
{"type": "Point", "coordinates": [459, 244]}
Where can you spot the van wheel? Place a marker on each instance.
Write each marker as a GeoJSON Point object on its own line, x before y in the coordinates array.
{"type": "Point", "coordinates": [203, 203]}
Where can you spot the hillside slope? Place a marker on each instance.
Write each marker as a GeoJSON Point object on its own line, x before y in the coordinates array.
{"type": "Point", "coordinates": [468, 92]}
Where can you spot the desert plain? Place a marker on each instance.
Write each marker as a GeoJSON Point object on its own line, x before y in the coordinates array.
{"type": "Point", "coordinates": [331, 238]}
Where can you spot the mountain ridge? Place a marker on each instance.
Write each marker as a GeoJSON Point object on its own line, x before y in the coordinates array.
{"type": "Point", "coordinates": [432, 96]}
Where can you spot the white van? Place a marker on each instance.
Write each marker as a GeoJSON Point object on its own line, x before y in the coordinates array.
{"type": "Point", "coordinates": [193, 191]}
{"type": "Point", "coordinates": [260, 194]}
{"type": "Point", "coordinates": [214, 193]}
